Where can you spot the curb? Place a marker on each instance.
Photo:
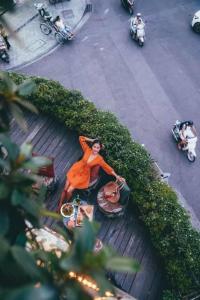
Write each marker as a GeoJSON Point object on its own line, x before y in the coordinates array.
{"type": "Point", "coordinates": [27, 22]}
{"type": "Point", "coordinates": [86, 14]}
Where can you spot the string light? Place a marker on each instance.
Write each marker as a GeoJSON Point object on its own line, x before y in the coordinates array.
{"type": "Point", "coordinates": [108, 294]}
{"type": "Point", "coordinates": [87, 282]}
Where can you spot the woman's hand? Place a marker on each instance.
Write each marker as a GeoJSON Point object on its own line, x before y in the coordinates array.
{"type": "Point", "coordinates": [71, 224]}
{"type": "Point", "coordinates": [119, 178]}
{"type": "Point", "coordinates": [89, 140]}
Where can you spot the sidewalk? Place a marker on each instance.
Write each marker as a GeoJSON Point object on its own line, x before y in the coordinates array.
{"type": "Point", "coordinates": [31, 43]}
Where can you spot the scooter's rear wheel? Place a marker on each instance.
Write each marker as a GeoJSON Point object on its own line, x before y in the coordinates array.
{"type": "Point", "coordinates": [196, 27]}
{"type": "Point", "coordinates": [191, 157]}
{"type": "Point", "coordinates": [59, 38]}
{"type": "Point", "coordinates": [130, 10]}
{"type": "Point", "coordinates": [46, 29]}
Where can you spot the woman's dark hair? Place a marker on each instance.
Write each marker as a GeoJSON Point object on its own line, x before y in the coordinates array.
{"type": "Point", "coordinates": [97, 141]}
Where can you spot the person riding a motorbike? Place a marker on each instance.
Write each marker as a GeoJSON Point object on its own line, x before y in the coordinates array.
{"type": "Point", "coordinates": [135, 21]}
{"type": "Point", "coordinates": [184, 133]}
{"type": "Point", "coordinates": [61, 26]}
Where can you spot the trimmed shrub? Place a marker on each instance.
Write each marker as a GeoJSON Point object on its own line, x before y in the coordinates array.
{"type": "Point", "coordinates": [177, 243]}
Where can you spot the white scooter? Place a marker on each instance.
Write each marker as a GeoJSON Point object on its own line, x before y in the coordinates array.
{"type": "Point", "coordinates": [191, 140]}
{"type": "Point", "coordinates": [138, 33]}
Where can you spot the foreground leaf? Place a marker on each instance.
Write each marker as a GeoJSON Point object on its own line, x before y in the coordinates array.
{"type": "Point", "coordinates": [26, 262]}
{"type": "Point", "coordinates": [122, 264]}
{"type": "Point", "coordinates": [31, 293]}
{"type": "Point", "coordinates": [26, 88]}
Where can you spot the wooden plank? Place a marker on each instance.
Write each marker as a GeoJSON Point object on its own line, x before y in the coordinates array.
{"type": "Point", "coordinates": [143, 280]}
{"type": "Point", "coordinates": [138, 257]}
{"type": "Point", "coordinates": [155, 292]}
{"type": "Point", "coordinates": [45, 138]}
{"type": "Point", "coordinates": [19, 135]}
{"type": "Point", "coordinates": [40, 136]}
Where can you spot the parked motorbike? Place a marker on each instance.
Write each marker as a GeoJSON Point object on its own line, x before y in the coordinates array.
{"type": "Point", "coordinates": [3, 51]}
{"type": "Point", "coordinates": [191, 141]}
{"type": "Point", "coordinates": [43, 12]}
{"type": "Point", "coordinates": [129, 5]}
{"type": "Point", "coordinates": [138, 33]}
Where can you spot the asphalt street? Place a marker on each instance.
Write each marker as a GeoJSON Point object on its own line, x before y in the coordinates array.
{"type": "Point", "coordinates": [148, 88]}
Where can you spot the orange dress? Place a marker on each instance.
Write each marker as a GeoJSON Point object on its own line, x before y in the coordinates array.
{"type": "Point", "coordinates": [79, 174]}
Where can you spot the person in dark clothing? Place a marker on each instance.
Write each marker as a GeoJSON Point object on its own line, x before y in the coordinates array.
{"type": "Point", "coordinates": [3, 33]}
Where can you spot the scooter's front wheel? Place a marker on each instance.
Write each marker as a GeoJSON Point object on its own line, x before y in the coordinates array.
{"type": "Point", "coordinates": [191, 157]}
{"type": "Point", "coordinates": [141, 43]}
{"type": "Point", "coordinates": [132, 34]}
{"type": "Point", "coordinates": [46, 29]}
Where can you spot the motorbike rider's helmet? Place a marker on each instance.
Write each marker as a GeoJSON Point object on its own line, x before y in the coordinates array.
{"type": "Point", "coordinates": [138, 15]}
{"type": "Point", "coordinates": [189, 123]}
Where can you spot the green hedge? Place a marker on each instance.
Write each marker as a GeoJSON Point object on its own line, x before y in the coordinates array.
{"type": "Point", "coordinates": [171, 232]}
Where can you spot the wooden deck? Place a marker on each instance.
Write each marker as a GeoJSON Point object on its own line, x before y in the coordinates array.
{"type": "Point", "coordinates": [126, 235]}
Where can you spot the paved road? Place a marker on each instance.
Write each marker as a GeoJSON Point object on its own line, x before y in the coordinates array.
{"type": "Point", "coordinates": [147, 88]}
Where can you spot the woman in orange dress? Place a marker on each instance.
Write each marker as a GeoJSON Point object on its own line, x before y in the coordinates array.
{"type": "Point", "coordinates": [78, 177]}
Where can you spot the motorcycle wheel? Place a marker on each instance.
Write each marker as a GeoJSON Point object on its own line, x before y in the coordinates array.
{"type": "Point", "coordinates": [131, 10]}
{"type": "Point", "coordinates": [59, 38]}
{"type": "Point", "coordinates": [45, 28]}
{"type": "Point", "coordinates": [196, 27]}
{"type": "Point", "coordinates": [191, 157]}
{"type": "Point", "coordinates": [131, 33]}
{"type": "Point", "coordinates": [141, 44]}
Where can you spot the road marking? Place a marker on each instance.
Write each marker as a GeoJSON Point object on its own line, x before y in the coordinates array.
{"type": "Point", "coordinates": [84, 39]}
{"type": "Point", "coordinates": [106, 11]}
{"type": "Point", "coordinates": [101, 49]}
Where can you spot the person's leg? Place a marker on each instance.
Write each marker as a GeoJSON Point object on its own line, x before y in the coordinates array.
{"type": "Point", "coordinates": [7, 42]}
{"type": "Point", "coordinates": [63, 195]}
{"type": "Point", "coordinates": [182, 144]}
{"type": "Point", "coordinates": [66, 193]}
{"type": "Point", "coordinates": [69, 192]}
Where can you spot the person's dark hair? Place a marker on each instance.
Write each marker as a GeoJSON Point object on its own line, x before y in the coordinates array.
{"type": "Point", "coordinates": [97, 141]}
{"type": "Point", "coordinates": [189, 123]}
{"type": "Point", "coordinates": [57, 18]}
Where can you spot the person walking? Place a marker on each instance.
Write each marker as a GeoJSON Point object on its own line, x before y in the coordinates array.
{"type": "Point", "coordinates": [4, 34]}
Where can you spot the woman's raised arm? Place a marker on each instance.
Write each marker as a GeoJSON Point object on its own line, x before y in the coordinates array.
{"type": "Point", "coordinates": [83, 142]}
{"type": "Point", "coordinates": [110, 170]}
